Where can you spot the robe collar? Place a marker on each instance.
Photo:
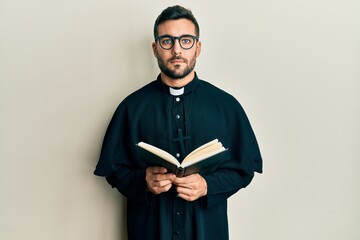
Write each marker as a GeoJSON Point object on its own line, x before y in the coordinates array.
{"type": "Point", "coordinates": [176, 92]}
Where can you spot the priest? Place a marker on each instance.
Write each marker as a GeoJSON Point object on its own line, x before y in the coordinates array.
{"type": "Point", "coordinates": [178, 112]}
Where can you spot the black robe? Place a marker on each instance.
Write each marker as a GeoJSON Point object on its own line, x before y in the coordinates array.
{"type": "Point", "coordinates": [154, 116]}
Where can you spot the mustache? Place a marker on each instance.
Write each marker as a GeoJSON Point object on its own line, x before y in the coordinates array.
{"type": "Point", "coordinates": [177, 58]}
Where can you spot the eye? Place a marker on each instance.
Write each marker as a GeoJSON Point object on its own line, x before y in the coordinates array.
{"type": "Point", "coordinates": [166, 41]}
{"type": "Point", "coordinates": [186, 40]}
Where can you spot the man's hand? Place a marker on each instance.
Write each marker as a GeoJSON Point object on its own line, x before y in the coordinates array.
{"type": "Point", "coordinates": [191, 187]}
{"type": "Point", "coordinates": [158, 180]}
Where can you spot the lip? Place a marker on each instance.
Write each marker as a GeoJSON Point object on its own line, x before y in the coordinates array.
{"type": "Point", "coordinates": [177, 61]}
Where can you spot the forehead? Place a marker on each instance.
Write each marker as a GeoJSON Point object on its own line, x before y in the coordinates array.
{"type": "Point", "coordinates": [177, 27]}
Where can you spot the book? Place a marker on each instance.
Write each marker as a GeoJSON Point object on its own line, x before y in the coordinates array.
{"type": "Point", "coordinates": [207, 155]}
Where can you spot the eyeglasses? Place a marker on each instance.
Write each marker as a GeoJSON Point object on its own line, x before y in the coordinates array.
{"type": "Point", "coordinates": [167, 42]}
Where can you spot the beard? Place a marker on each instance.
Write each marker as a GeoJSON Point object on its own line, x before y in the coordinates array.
{"type": "Point", "coordinates": [177, 73]}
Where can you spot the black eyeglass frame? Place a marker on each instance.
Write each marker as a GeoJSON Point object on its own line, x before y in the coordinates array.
{"type": "Point", "coordinates": [158, 38]}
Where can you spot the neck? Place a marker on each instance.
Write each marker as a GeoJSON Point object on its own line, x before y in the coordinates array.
{"type": "Point", "coordinates": [177, 83]}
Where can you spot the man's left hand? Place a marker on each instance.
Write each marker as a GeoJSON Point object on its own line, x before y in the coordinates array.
{"type": "Point", "coordinates": [191, 187]}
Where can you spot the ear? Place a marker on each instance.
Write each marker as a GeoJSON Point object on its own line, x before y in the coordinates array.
{"type": "Point", "coordinates": [198, 48]}
{"type": "Point", "coordinates": [154, 48]}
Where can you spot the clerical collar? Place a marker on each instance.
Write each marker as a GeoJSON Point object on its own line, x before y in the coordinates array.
{"type": "Point", "coordinates": [178, 91]}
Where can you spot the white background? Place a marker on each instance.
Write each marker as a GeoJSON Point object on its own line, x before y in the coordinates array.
{"type": "Point", "coordinates": [294, 66]}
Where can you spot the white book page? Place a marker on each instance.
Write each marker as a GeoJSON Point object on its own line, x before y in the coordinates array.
{"type": "Point", "coordinates": [202, 147]}
{"type": "Point", "coordinates": [198, 158]}
{"type": "Point", "coordinates": [204, 151]}
{"type": "Point", "coordinates": [159, 152]}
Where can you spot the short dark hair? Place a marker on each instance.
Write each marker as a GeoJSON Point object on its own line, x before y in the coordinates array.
{"type": "Point", "coordinates": [175, 13]}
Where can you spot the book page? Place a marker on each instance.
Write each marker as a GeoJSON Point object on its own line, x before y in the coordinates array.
{"type": "Point", "coordinates": [200, 157]}
{"type": "Point", "coordinates": [211, 148]}
{"type": "Point", "coordinates": [202, 147]}
{"type": "Point", "coordinates": [159, 152]}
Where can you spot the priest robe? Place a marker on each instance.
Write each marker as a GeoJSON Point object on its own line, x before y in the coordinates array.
{"type": "Point", "coordinates": [202, 112]}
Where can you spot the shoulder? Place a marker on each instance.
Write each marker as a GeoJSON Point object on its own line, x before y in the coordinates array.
{"type": "Point", "coordinates": [216, 93]}
{"type": "Point", "coordinates": [139, 98]}
{"type": "Point", "coordinates": [147, 91]}
{"type": "Point", "coordinates": [144, 94]}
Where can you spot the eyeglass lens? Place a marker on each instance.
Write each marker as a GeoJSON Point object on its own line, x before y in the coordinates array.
{"type": "Point", "coordinates": [186, 42]}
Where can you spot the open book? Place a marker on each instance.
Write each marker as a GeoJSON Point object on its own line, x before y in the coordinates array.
{"type": "Point", "coordinates": [203, 157]}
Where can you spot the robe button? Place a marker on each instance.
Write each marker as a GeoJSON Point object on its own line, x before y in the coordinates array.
{"type": "Point", "coordinates": [177, 233]}
{"type": "Point", "coordinates": [177, 116]}
{"type": "Point", "coordinates": [177, 99]}
{"type": "Point", "coordinates": [178, 155]}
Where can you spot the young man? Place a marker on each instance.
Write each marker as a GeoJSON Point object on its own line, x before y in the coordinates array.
{"type": "Point", "coordinates": [178, 112]}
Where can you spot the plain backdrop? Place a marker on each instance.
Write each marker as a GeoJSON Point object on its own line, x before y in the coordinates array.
{"type": "Point", "coordinates": [294, 66]}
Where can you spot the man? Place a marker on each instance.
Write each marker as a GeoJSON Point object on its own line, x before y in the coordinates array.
{"type": "Point", "coordinates": [178, 112]}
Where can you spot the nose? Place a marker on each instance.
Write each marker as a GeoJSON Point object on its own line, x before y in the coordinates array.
{"type": "Point", "coordinates": [177, 48]}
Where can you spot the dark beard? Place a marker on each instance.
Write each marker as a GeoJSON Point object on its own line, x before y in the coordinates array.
{"type": "Point", "coordinates": [174, 75]}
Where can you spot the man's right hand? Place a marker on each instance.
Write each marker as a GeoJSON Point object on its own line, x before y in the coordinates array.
{"type": "Point", "coordinates": [158, 180]}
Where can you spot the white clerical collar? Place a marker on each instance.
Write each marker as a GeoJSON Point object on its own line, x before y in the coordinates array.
{"type": "Point", "coordinates": [176, 92]}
